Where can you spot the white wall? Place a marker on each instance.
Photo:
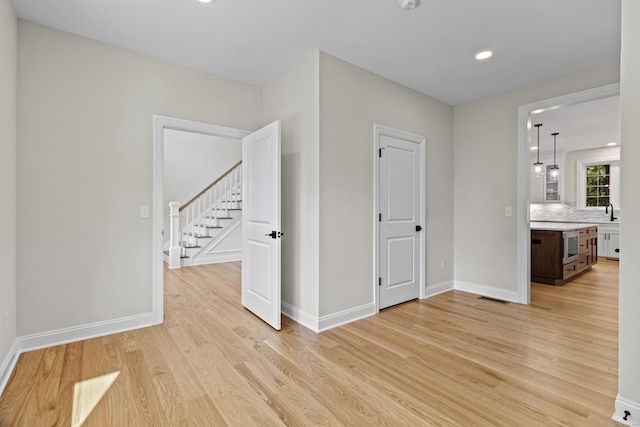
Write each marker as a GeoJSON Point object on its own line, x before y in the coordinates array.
{"type": "Point", "coordinates": [8, 99]}
{"type": "Point", "coordinates": [569, 173]}
{"type": "Point", "coordinates": [85, 166]}
{"type": "Point", "coordinates": [352, 100]}
{"type": "Point", "coordinates": [485, 178]}
{"type": "Point", "coordinates": [294, 99]}
{"type": "Point", "coordinates": [192, 161]}
{"type": "Point", "coordinates": [629, 368]}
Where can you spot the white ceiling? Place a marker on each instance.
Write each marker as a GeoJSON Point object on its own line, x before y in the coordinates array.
{"type": "Point", "coordinates": [580, 126]}
{"type": "Point", "coordinates": [430, 49]}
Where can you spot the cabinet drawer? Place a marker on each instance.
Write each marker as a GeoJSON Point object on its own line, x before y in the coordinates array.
{"type": "Point", "coordinates": [569, 270]}
{"type": "Point", "coordinates": [583, 232]}
{"type": "Point", "coordinates": [582, 263]}
{"type": "Point", "coordinates": [593, 231]}
{"type": "Point", "coordinates": [583, 244]}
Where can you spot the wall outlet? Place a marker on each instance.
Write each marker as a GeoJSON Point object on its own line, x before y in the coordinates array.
{"type": "Point", "coordinates": [144, 211]}
{"type": "Point", "coordinates": [6, 319]}
{"type": "Point", "coordinates": [443, 264]}
{"type": "Point", "coordinates": [508, 211]}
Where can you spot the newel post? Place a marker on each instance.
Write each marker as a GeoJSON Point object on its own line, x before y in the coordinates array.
{"type": "Point", "coordinates": [174, 230]}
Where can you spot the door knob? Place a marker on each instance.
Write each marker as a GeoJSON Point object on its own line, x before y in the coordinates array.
{"type": "Point", "coordinates": [418, 228]}
{"type": "Point", "coordinates": [275, 234]}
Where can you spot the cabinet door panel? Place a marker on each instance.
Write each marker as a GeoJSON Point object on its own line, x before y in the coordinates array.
{"type": "Point", "coordinates": [569, 270]}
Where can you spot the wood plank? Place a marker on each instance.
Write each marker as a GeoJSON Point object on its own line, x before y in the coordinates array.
{"type": "Point", "coordinates": [449, 360]}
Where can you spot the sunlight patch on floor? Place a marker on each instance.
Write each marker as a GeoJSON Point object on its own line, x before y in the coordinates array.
{"type": "Point", "coordinates": [87, 394]}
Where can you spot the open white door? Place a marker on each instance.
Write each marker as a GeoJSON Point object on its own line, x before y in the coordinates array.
{"type": "Point", "coordinates": [261, 223]}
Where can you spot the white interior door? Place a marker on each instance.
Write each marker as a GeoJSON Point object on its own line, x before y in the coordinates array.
{"type": "Point", "coordinates": [261, 223]}
{"type": "Point", "coordinates": [400, 230]}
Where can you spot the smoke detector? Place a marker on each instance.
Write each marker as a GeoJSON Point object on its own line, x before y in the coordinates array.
{"type": "Point", "coordinates": [408, 4]}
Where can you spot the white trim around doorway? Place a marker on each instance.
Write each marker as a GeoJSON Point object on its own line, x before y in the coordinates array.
{"type": "Point", "coordinates": [160, 123]}
{"type": "Point", "coordinates": [523, 244]}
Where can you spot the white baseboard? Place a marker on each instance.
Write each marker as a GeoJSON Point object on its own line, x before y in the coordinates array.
{"type": "Point", "coordinates": [84, 332]}
{"type": "Point", "coordinates": [623, 405]}
{"type": "Point", "coordinates": [8, 365]}
{"type": "Point", "coordinates": [347, 316]}
{"type": "Point", "coordinates": [300, 316]}
{"type": "Point", "coordinates": [433, 290]}
{"type": "Point", "coordinates": [213, 258]}
{"type": "Point", "coordinates": [486, 291]}
{"type": "Point", "coordinates": [330, 321]}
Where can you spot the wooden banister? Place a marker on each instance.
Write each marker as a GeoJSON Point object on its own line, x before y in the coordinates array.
{"type": "Point", "coordinates": [209, 186]}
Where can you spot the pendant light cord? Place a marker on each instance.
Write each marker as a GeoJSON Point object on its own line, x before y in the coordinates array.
{"type": "Point", "coordinates": [555, 165]}
{"type": "Point", "coordinates": [538, 126]}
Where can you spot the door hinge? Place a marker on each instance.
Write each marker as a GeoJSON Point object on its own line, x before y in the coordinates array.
{"type": "Point", "coordinates": [379, 281]}
{"type": "Point", "coordinates": [380, 152]}
{"type": "Point", "coordinates": [379, 217]}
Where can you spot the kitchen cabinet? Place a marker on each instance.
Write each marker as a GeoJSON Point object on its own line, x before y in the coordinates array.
{"type": "Point", "coordinates": [548, 252]}
{"type": "Point", "coordinates": [609, 240]}
{"type": "Point", "coordinates": [588, 248]}
{"type": "Point", "coordinates": [551, 187]}
{"type": "Point", "coordinates": [537, 191]}
{"type": "Point", "coordinates": [593, 247]}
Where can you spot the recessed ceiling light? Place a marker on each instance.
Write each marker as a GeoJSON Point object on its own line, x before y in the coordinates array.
{"type": "Point", "coordinates": [408, 4]}
{"type": "Point", "coordinates": [485, 54]}
{"type": "Point", "coordinates": [534, 148]}
{"type": "Point", "coordinates": [206, 1]}
{"type": "Point", "coordinates": [611, 144]}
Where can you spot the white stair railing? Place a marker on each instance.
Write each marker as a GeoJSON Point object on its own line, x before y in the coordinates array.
{"type": "Point", "coordinates": [205, 211]}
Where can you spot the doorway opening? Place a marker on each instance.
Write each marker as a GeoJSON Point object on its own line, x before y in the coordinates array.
{"type": "Point", "coordinates": [525, 113]}
{"type": "Point", "coordinates": [160, 125]}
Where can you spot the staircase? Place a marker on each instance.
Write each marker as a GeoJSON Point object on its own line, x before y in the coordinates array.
{"type": "Point", "coordinates": [207, 229]}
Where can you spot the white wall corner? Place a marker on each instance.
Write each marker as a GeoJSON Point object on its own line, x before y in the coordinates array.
{"type": "Point", "coordinates": [8, 365]}
{"type": "Point", "coordinates": [346, 316]}
{"type": "Point", "coordinates": [84, 332]}
{"type": "Point", "coordinates": [307, 320]}
{"type": "Point", "coordinates": [633, 409]}
{"type": "Point", "coordinates": [487, 291]}
{"type": "Point", "coordinates": [439, 288]}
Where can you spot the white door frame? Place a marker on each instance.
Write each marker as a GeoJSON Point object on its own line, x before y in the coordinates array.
{"type": "Point", "coordinates": [160, 123]}
{"type": "Point", "coordinates": [395, 133]}
{"type": "Point", "coordinates": [523, 245]}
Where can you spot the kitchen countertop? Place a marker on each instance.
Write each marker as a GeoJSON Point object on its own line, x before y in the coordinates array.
{"type": "Point", "coordinates": [560, 226]}
{"type": "Point", "coordinates": [616, 222]}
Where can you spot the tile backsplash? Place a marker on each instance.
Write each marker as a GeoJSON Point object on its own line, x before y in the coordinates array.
{"type": "Point", "coordinates": [567, 212]}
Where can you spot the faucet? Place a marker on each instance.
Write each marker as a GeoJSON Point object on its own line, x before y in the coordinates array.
{"type": "Point", "coordinates": [606, 210]}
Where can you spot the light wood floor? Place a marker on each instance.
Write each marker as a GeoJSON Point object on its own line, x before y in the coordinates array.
{"type": "Point", "coordinates": [451, 360]}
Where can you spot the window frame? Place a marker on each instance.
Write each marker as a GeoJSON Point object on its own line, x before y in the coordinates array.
{"type": "Point", "coordinates": [581, 181]}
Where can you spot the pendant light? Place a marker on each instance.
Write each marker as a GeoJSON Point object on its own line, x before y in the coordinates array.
{"type": "Point", "coordinates": [555, 170]}
{"type": "Point", "coordinates": [538, 169]}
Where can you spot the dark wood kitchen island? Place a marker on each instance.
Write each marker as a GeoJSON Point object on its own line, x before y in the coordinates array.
{"type": "Point", "coordinates": [560, 252]}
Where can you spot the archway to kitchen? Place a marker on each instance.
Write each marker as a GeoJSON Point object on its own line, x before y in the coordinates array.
{"type": "Point", "coordinates": [525, 114]}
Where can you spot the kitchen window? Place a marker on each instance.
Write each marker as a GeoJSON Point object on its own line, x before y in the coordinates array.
{"type": "Point", "coordinates": [598, 183]}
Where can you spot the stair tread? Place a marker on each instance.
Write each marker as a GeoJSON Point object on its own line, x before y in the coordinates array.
{"type": "Point", "coordinates": [198, 236]}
